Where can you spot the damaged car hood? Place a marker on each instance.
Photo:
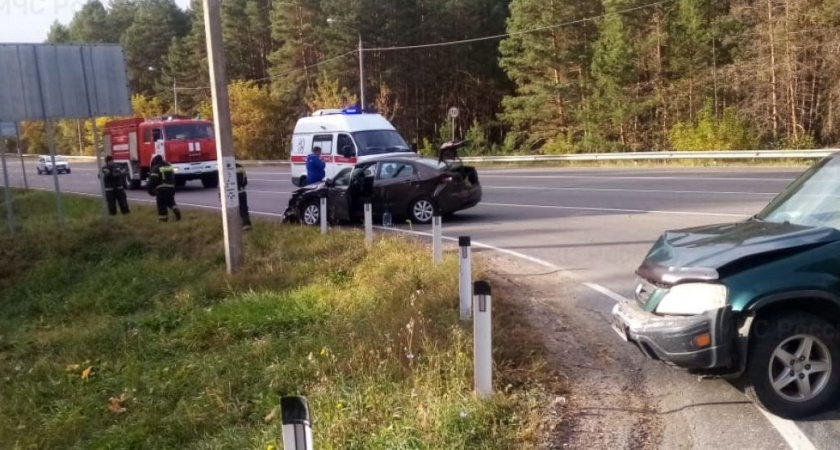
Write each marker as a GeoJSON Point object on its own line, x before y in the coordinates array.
{"type": "Point", "coordinates": [697, 254]}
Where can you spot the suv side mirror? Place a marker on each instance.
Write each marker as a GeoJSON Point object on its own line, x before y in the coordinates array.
{"type": "Point", "coordinates": [329, 182]}
{"type": "Point", "coordinates": [414, 147]}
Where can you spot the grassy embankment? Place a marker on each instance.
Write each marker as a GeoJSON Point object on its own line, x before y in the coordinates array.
{"type": "Point", "coordinates": [128, 334]}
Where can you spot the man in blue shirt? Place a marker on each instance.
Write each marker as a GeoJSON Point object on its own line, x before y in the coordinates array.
{"type": "Point", "coordinates": [315, 168]}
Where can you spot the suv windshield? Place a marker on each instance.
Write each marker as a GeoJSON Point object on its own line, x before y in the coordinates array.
{"type": "Point", "coordinates": [812, 200]}
{"type": "Point", "coordinates": [379, 142]}
{"type": "Point", "coordinates": [189, 131]}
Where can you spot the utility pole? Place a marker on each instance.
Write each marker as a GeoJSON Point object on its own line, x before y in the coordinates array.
{"type": "Point", "coordinates": [175, 93]}
{"type": "Point", "coordinates": [79, 132]}
{"type": "Point", "coordinates": [361, 73]}
{"type": "Point", "coordinates": [226, 161]}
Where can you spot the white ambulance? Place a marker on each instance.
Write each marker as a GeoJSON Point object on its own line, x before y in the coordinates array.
{"type": "Point", "coordinates": [346, 137]}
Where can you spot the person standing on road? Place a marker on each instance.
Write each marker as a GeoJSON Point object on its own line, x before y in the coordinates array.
{"type": "Point", "coordinates": [161, 184]}
{"type": "Point", "coordinates": [241, 182]}
{"type": "Point", "coordinates": [114, 179]}
{"type": "Point", "coordinates": [315, 168]}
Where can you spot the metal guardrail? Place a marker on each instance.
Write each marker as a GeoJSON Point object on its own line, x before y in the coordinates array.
{"type": "Point", "coordinates": [632, 156]}
{"type": "Point", "coordinates": [659, 156]}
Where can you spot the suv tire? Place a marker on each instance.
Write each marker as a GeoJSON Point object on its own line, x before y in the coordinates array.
{"type": "Point", "coordinates": [801, 352]}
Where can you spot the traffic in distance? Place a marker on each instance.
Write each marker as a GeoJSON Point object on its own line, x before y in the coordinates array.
{"type": "Point", "coordinates": [757, 300]}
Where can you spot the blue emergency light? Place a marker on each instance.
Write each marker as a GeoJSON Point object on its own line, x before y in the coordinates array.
{"type": "Point", "coordinates": [352, 110]}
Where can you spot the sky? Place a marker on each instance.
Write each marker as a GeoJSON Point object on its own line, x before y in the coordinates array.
{"type": "Point", "coordinates": [30, 20]}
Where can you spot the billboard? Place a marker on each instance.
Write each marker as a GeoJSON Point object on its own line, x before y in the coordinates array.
{"type": "Point", "coordinates": [39, 82]}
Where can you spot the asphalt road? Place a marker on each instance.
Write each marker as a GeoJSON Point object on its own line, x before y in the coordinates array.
{"type": "Point", "coordinates": [596, 224]}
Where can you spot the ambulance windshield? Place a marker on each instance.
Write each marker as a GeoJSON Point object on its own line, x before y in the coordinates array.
{"type": "Point", "coordinates": [379, 142]}
{"type": "Point", "coordinates": [191, 131]}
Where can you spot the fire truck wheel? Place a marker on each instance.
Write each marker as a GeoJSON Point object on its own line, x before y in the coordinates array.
{"type": "Point", "coordinates": [210, 181]}
{"type": "Point", "coordinates": [180, 182]}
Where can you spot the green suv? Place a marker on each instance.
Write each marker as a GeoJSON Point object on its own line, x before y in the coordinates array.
{"type": "Point", "coordinates": [757, 300]}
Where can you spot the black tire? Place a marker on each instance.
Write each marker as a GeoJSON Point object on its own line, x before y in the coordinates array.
{"type": "Point", "coordinates": [422, 210]}
{"type": "Point", "coordinates": [310, 214]}
{"type": "Point", "coordinates": [39, 171]}
{"type": "Point", "coordinates": [180, 182]}
{"type": "Point", "coordinates": [68, 171]}
{"type": "Point", "coordinates": [210, 181]}
{"type": "Point", "coordinates": [782, 337]}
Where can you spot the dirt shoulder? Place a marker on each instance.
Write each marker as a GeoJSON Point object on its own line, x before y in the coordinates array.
{"type": "Point", "coordinates": [605, 402]}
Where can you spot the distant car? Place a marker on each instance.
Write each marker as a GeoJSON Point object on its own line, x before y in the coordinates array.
{"type": "Point", "coordinates": [758, 298]}
{"type": "Point", "coordinates": [44, 165]}
{"type": "Point", "coordinates": [409, 187]}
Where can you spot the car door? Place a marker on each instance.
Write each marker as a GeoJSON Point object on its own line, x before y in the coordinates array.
{"type": "Point", "coordinates": [338, 197]}
{"type": "Point", "coordinates": [396, 185]}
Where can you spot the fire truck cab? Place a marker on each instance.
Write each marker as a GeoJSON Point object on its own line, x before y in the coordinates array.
{"type": "Point", "coordinates": [187, 144]}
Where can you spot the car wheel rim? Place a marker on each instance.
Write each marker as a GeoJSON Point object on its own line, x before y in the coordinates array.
{"type": "Point", "coordinates": [311, 215]}
{"type": "Point", "coordinates": [423, 211]}
{"type": "Point", "coordinates": [800, 368]}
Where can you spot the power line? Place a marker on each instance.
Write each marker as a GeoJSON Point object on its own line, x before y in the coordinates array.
{"type": "Point", "coordinates": [515, 33]}
{"type": "Point", "coordinates": [311, 66]}
{"type": "Point", "coordinates": [304, 68]}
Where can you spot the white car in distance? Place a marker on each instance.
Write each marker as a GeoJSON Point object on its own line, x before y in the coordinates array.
{"type": "Point", "coordinates": [45, 165]}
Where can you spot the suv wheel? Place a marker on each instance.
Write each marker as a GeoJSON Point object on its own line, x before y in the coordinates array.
{"type": "Point", "coordinates": [311, 214]}
{"type": "Point", "coordinates": [794, 365]}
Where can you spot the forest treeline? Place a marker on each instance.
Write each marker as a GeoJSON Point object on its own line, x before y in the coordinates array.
{"type": "Point", "coordinates": [560, 76]}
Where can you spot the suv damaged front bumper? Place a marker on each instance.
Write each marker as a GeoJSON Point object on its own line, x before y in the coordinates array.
{"type": "Point", "coordinates": [702, 342]}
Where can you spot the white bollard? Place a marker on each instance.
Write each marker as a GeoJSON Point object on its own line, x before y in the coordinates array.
{"type": "Point", "coordinates": [437, 239]}
{"type": "Point", "coordinates": [323, 215]}
{"type": "Point", "coordinates": [483, 339]}
{"type": "Point", "coordinates": [297, 425]}
{"type": "Point", "coordinates": [368, 223]}
{"type": "Point", "coordinates": [465, 279]}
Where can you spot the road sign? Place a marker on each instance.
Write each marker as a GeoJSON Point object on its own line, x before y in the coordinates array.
{"type": "Point", "coordinates": [453, 112]}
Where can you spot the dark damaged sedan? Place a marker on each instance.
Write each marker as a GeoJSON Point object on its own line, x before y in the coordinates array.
{"type": "Point", "coordinates": [410, 187]}
{"type": "Point", "coordinates": [758, 300]}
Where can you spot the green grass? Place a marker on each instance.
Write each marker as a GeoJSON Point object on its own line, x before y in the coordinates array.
{"type": "Point", "coordinates": [200, 360]}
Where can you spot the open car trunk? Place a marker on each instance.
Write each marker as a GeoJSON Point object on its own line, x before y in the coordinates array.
{"type": "Point", "coordinates": [448, 154]}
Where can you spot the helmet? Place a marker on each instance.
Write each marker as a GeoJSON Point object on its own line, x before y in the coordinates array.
{"type": "Point", "coordinates": [157, 160]}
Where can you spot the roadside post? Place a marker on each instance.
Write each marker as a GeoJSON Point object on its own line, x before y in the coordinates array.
{"type": "Point", "coordinates": [368, 222]}
{"type": "Point", "coordinates": [323, 215]}
{"type": "Point", "coordinates": [20, 153]}
{"type": "Point", "coordinates": [226, 161]}
{"type": "Point", "coordinates": [297, 428]}
{"type": "Point", "coordinates": [482, 339]}
{"type": "Point", "coordinates": [465, 279]}
{"type": "Point", "coordinates": [437, 238]}
{"type": "Point", "coordinates": [10, 215]}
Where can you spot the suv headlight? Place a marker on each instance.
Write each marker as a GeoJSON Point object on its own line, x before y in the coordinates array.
{"type": "Point", "coordinates": [692, 298]}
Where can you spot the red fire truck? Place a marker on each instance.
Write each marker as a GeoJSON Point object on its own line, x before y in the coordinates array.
{"type": "Point", "coordinates": [187, 144]}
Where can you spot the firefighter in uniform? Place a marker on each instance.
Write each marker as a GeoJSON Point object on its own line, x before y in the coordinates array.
{"type": "Point", "coordinates": [241, 182]}
{"type": "Point", "coordinates": [114, 180]}
{"type": "Point", "coordinates": [161, 184]}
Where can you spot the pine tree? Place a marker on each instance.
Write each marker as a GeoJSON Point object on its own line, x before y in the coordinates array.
{"type": "Point", "coordinates": [612, 73]}
{"type": "Point", "coordinates": [550, 71]}
{"type": "Point", "coordinates": [148, 39]}
{"type": "Point", "coordinates": [59, 34]}
{"type": "Point", "coordinates": [90, 24]}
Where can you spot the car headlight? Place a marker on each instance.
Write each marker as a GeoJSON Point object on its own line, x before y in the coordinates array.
{"type": "Point", "coordinates": [692, 298]}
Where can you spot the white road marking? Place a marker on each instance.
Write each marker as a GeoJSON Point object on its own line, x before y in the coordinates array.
{"type": "Point", "coordinates": [607, 292]}
{"type": "Point", "coordinates": [269, 181]}
{"type": "Point", "coordinates": [538, 188]}
{"type": "Point", "coordinates": [585, 208]}
{"type": "Point", "coordinates": [607, 177]}
{"type": "Point", "coordinates": [790, 432]}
